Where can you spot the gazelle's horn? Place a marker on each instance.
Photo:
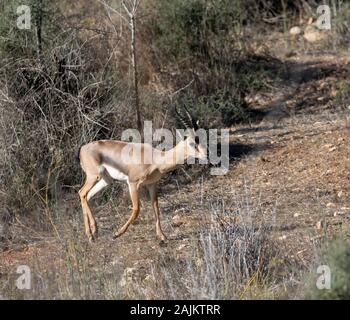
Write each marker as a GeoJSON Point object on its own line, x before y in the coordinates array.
{"type": "Point", "coordinates": [193, 121]}
{"type": "Point", "coordinates": [184, 119]}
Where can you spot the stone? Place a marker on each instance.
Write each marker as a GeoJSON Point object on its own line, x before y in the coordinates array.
{"type": "Point", "coordinates": [294, 31]}
{"type": "Point", "coordinates": [319, 225]}
{"type": "Point", "coordinates": [312, 34]}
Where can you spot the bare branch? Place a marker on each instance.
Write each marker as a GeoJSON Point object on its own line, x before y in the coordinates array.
{"type": "Point", "coordinates": [136, 5]}
{"type": "Point", "coordinates": [112, 9]}
{"type": "Point", "coordinates": [181, 89]}
{"type": "Point", "coordinates": [133, 7]}
{"type": "Point", "coordinates": [130, 14]}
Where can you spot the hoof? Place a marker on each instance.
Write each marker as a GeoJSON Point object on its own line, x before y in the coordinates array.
{"type": "Point", "coordinates": [119, 233]}
{"type": "Point", "coordinates": [162, 237]}
{"type": "Point", "coordinates": [94, 233]}
{"type": "Point", "coordinates": [116, 235]}
{"type": "Point", "coordinates": [92, 236]}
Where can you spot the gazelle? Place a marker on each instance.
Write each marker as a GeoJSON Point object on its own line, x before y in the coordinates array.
{"type": "Point", "coordinates": [103, 162]}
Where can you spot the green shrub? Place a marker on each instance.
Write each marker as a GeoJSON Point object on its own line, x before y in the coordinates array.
{"type": "Point", "coordinates": [23, 43]}
{"type": "Point", "coordinates": [337, 257]}
{"type": "Point", "coordinates": [206, 42]}
{"type": "Point", "coordinates": [342, 96]}
{"type": "Point", "coordinates": [340, 23]}
{"type": "Point", "coordinates": [219, 108]}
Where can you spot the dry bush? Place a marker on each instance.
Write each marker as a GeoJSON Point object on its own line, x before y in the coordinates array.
{"type": "Point", "coordinates": [71, 270]}
{"type": "Point", "coordinates": [54, 102]}
{"type": "Point", "coordinates": [232, 257]}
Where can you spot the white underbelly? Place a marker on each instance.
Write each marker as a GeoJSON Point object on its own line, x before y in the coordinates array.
{"type": "Point", "coordinates": [115, 173]}
{"type": "Point", "coordinates": [97, 188]}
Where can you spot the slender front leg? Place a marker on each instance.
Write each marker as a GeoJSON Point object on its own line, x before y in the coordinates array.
{"type": "Point", "coordinates": [152, 189]}
{"type": "Point", "coordinates": [134, 195]}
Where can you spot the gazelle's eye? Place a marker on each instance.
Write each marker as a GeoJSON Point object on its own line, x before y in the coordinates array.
{"type": "Point", "coordinates": [194, 145]}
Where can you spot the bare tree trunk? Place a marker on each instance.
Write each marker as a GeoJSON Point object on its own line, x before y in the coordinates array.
{"type": "Point", "coordinates": [38, 24]}
{"type": "Point", "coordinates": [131, 10]}
{"type": "Point", "coordinates": [135, 73]}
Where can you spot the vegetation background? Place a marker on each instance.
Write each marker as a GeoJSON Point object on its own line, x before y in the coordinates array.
{"type": "Point", "coordinates": [68, 80]}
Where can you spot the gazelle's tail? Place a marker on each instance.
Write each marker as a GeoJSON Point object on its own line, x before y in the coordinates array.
{"type": "Point", "coordinates": [77, 156]}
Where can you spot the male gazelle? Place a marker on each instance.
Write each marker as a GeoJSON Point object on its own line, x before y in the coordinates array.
{"type": "Point", "coordinates": [104, 160]}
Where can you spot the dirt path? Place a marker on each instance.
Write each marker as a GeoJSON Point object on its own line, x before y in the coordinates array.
{"type": "Point", "coordinates": [293, 166]}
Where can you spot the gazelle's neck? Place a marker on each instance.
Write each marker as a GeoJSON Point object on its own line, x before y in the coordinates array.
{"type": "Point", "coordinates": [174, 157]}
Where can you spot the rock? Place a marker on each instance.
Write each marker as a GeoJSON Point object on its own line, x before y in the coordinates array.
{"type": "Point", "coordinates": [296, 215]}
{"type": "Point", "coordinates": [198, 262]}
{"type": "Point", "coordinates": [176, 217]}
{"type": "Point", "coordinates": [148, 278]}
{"type": "Point", "coordinates": [331, 205]}
{"type": "Point", "coordinates": [294, 31]}
{"type": "Point", "coordinates": [340, 194]}
{"type": "Point", "coordinates": [290, 54]}
{"type": "Point", "coordinates": [312, 34]}
{"type": "Point", "coordinates": [319, 225]}
{"type": "Point", "coordinates": [177, 221]}
{"type": "Point", "coordinates": [181, 247]}
{"type": "Point", "coordinates": [334, 93]}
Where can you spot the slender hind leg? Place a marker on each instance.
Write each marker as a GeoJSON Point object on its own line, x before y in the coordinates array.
{"type": "Point", "coordinates": [101, 184]}
{"type": "Point", "coordinates": [93, 185]}
{"type": "Point", "coordinates": [133, 188]}
{"type": "Point", "coordinates": [152, 189]}
{"type": "Point", "coordinates": [89, 221]}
